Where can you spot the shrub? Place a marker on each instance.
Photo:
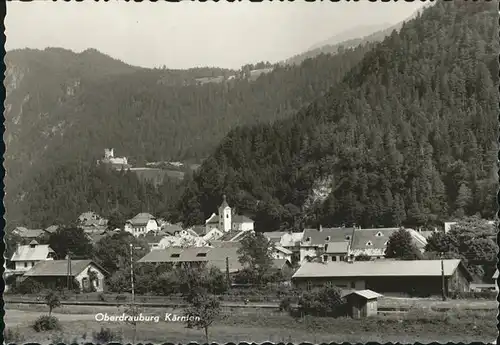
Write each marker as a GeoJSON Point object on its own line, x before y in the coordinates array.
{"type": "Point", "coordinates": [46, 323]}
{"type": "Point", "coordinates": [491, 295]}
{"type": "Point", "coordinates": [12, 336]}
{"type": "Point", "coordinates": [285, 304]}
{"type": "Point", "coordinates": [325, 301]}
{"type": "Point", "coordinates": [106, 335]}
{"type": "Point", "coordinates": [27, 286]}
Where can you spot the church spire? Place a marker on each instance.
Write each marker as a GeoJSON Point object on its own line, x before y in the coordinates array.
{"type": "Point", "coordinates": [224, 202]}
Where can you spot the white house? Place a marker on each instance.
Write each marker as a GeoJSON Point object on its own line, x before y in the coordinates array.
{"type": "Point", "coordinates": [226, 221]}
{"type": "Point", "coordinates": [314, 240]}
{"type": "Point", "coordinates": [85, 272]}
{"type": "Point", "coordinates": [141, 224]}
{"type": "Point", "coordinates": [26, 257]}
{"type": "Point", "coordinates": [281, 253]}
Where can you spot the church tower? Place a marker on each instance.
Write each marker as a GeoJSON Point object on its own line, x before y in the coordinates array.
{"type": "Point", "coordinates": [225, 216]}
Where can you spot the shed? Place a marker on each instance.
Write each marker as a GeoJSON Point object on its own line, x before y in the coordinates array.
{"type": "Point", "coordinates": [362, 303]}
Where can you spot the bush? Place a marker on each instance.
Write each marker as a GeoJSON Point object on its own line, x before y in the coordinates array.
{"type": "Point", "coordinates": [490, 295]}
{"type": "Point", "coordinates": [106, 335]}
{"type": "Point", "coordinates": [27, 286]}
{"type": "Point", "coordinates": [285, 304]}
{"type": "Point", "coordinates": [12, 337]}
{"type": "Point", "coordinates": [325, 301]}
{"type": "Point", "coordinates": [46, 323]}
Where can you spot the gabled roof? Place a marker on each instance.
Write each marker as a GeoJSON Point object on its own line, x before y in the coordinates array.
{"type": "Point", "coordinates": [172, 228]}
{"type": "Point", "coordinates": [241, 219]}
{"type": "Point", "coordinates": [28, 253]}
{"type": "Point", "coordinates": [388, 268]}
{"type": "Point", "coordinates": [199, 229]}
{"type": "Point", "coordinates": [230, 235]}
{"type": "Point", "coordinates": [321, 237]}
{"type": "Point", "coordinates": [213, 219]}
{"type": "Point", "coordinates": [141, 219]}
{"type": "Point", "coordinates": [274, 236]}
{"type": "Point", "coordinates": [57, 268]}
{"type": "Point", "coordinates": [51, 229]}
{"type": "Point", "coordinates": [367, 294]}
{"type": "Point", "coordinates": [291, 239]}
{"type": "Point", "coordinates": [283, 250]}
{"type": "Point", "coordinates": [28, 233]}
{"type": "Point", "coordinates": [192, 254]}
{"type": "Point", "coordinates": [337, 247]}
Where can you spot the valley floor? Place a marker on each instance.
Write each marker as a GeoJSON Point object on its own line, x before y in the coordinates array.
{"type": "Point", "coordinates": [257, 325]}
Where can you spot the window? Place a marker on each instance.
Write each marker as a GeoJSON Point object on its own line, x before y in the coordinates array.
{"type": "Point", "coordinates": [328, 238]}
{"type": "Point", "coordinates": [334, 258]}
{"type": "Point", "coordinates": [25, 264]}
{"type": "Point", "coordinates": [175, 255]}
{"type": "Point", "coordinates": [341, 258]}
{"type": "Point", "coordinates": [308, 285]}
{"type": "Point", "coordinates": [353, 285]}
{"type": "Point", "coordinates": [325, 258]}
{"type": "Point", "coordinates": [379, 234]}
{"type": "Point", "coordinates": [201, 254]}
{"type": "Point", "coordinates": [308, 239]}
{"type": "Point", "coordinates": [369, 243]}
{"type": "Point", "coordinates": [32, 263]}
{"type": "Point", "coordinates": [227, 215]}
{"type": "Point", "coordinates": [97, 283]}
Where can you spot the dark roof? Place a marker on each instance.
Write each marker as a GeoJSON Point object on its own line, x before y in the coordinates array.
{"type": "Point", "coordinates": [241, 219]}
{"type": "Point", "coordinates": [321, 237]}
{"type": "Point", "coordinates": [56, 268]}
{"type": "Point", "coordinates": [141, 219]}
{"type": "Point", "coordinates": [199, 229]}
{"type": "Point", "coordinates": [171, 228]}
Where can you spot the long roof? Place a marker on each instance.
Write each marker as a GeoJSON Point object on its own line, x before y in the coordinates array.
{"type": "Point", "coordinates": [192, 254]}
{"type": "Point", "coordinates": [57, 268]}
{"type": "Point", "coordinates": [315, 237]}
{"type": "Point", "coordinates": [37, 252]}
{"type": "Point", "coordinates": [388, 268]}
{"type": "Point", "coordinates": [28, 233]}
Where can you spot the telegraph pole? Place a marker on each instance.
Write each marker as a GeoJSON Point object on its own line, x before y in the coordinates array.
{"type": "Point", "coordinates": [227, 272]}
{"type": "Point", "coordinates": [133, 290]}
{"type": "Point", "coordinates": [443, 290]}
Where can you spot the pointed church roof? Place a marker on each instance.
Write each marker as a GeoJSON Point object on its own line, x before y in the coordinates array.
{"type": "Point", "coordinates": [224, 202]}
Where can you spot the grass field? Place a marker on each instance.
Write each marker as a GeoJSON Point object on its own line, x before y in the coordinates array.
{"type": "Point", "coordinates": [258, 325]}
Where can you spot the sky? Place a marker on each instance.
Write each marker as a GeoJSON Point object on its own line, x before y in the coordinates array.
{"type": "Point", "coordinates": [191, 34]}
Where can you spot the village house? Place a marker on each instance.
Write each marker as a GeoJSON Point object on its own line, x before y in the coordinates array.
{"type": "Point", "coordinates": [141, 224]}
{"type": "Point", "coordinates": [183, 238]}
{"type": "Point", "coordinates": [386, 276]}
{"type": "Point", "coordinates": [29, 234]}
{"type": "Point", "coordinates": [373, 242]}
{"type": "Point", "coordinates": [91, 222]}
{"type": "Point", "coordinates": [27, 256]}
{"type": "Point", "coordinates": [282, 253]}
{"type": "Point", "coordinates": [314, 241]}
{"type": "Point", "coordinates": [336, 251]}
{"type": "Point", "coordinates": [226, 221]}
{"type": "Point", "coordinates": [54, 274]}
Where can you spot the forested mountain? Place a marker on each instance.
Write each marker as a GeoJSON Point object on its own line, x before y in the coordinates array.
{"type": "Point", "coordinates": [58, 114]}
{"type": "Point", "coordinates": [408, 137]}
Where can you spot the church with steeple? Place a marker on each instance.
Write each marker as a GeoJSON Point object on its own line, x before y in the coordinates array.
{"type": "Point", "coordinates": [227, 220]}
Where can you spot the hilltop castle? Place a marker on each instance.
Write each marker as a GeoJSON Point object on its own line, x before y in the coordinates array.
{"type": "Point", "coordinates": [117, 163]}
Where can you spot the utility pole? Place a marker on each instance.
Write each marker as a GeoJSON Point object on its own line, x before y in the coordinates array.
{"type": "Point", "coordinates": [442, 278]}
{"type": "Point", "coordinates": [70, 280]}
{"type": "Point", "coordinates": [133, 290]}
{"type": "Point", "coordinates": [227, 273]}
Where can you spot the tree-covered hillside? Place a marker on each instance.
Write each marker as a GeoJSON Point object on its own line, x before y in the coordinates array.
{"type": "Point", "coordinates": [408, 137]}
{"type": "Point", "coordinates": [147, 115]}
